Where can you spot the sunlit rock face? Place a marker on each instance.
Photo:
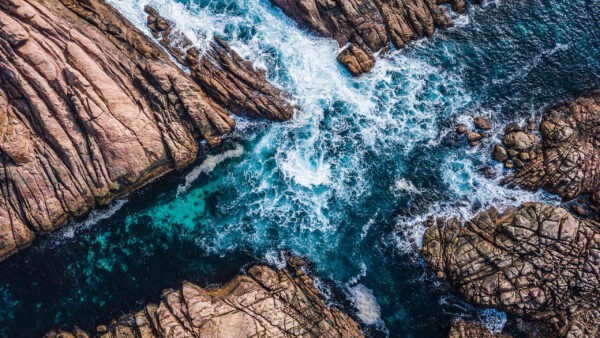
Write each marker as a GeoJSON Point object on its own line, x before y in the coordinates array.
{"type": "Point", "coordinates": [90, 108]}
{"type": "Point", "coordinates": [538, 261]}
{"type": "Point", "coordinates": [263, 303]}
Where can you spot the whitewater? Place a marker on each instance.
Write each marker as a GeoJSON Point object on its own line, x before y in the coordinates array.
{"type": "Point", "coordinates": [346, 184]}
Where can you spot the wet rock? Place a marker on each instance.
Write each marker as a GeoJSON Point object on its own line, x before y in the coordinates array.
{"type": "Point", "coordinates": [369, 26]}
{"type": "Point", "coordinates": [509, 164]}
{"type": "Point", "coordinates": [566, 163]}
{"type": "Point", "coordinates": [462, 329]}
{"type": "Point", "coordinates": [229, 80]}
{"type": "Point", "coordinates": [90, 109]}
{"type": "Point", "coordinates": [499, 153]}
{"type": "Point", "coordinates": [473, 138]}
{"type": "Point", "coordinates": [519, 140]}
{"type": "Point", "coordinates": [461, 129]}
{"type": "Point", "coordinates": [263, 303]}
{"type": "Point", "coordinates": [511, 128]}
{"type": "Point", "coordinates": [482, 123]}
{"type": "Point", "coordinates": [356, 59]}
{"type": "Point", "coordinates": [579, 210]}
{"type": "Point", "coordinates": [538, 262]}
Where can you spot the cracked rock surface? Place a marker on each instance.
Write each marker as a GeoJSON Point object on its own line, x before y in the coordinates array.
{"type": "Point", "coordinates": [462, 329]}
{"type": "Point", "coordinates": [263, 303]}
{"type": "Point", "coordinates": [90, 108]}
{"type": "Point", "coordinates": [567, 158]}
{"type": "Point", "coordinates": [538, 262]}
{"type": "Point", "coordinates": [369, 26]}
{"type": "Point", "coordinates": [232, 81]}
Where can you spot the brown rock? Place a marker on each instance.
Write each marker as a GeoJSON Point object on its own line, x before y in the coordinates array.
{"type": "Point", "coordinates": [579, 210]}
{"type": "Point", "coordinates": [538, 261]}
{"type": "Point", "coordinates": [264, 303]}
{"type": "Point", "coordinates": [482, 123]}
{"type": "Point", "coordinates": [567, 163]}
{"type": "Point", "coordinates": [356, 59]}
{"type": "Point", "coordinates": [227, 78]}
{"type": "Point", "coordinates": [462, 329]}
{"type": "Point", "coordinates": [499, 153]}
{"type": "Point", "coordinates": [473, 138]}
{"type": "Point", "coordinates": [519, 140]}
{"type": "Point", "coordinates": [369, 25]}
{"type": "Point", "coordinates": [461, 129]}
{"type": "Point", "coordinates": [90, 109]}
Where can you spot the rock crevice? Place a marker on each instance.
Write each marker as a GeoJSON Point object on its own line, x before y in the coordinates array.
{"type": "Point", "coordinates": [91, 108]}
{"type": "Point", "coordinates": [538, 262]}
{"type": "Point", "coordinates": [263, 303]}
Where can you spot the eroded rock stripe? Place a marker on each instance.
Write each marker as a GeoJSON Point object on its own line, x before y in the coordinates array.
{"type": "Point", "coordinates": [369, 26]}
{"type": "Point", "coordinates": [264, 303]}
{"type": "Point", "coordinates": [229, 79]}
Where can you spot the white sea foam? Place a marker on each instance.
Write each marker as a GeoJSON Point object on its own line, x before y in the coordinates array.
{"type": "Point", "coordinates": [95, 216]}
{"type": "Point", "coordinates": [208, 165]}
{"type": "Point", "coordinates": [402, 185]}
{"type": "Point", "coordinates": [366, 304]}
{"type": "Point", "coordinates": [493, 319]}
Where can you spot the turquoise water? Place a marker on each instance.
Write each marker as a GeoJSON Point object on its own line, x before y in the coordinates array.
{"type": "Point", "coordinates": [345, 184]}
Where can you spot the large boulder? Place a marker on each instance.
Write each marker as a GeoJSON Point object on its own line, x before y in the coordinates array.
{"type": "Point", "coordinates": [538, 262]}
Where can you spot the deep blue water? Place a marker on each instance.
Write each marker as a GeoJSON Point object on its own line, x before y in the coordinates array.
{"type": "Point", "coordinates": [345, 184]}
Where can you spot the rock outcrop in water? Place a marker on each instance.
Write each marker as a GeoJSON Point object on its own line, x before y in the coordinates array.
{"type": "Point", "coordinates": [538, 261]}
{"type": "Point", "coordinates": [223, 74]}
{"type": "Point", "coordinates": [263, 303]}
{"type": "Point", "coordinates": [90, 108]}
{"type": "Point", "coordinates": [567, 158]}
{"type": "Point", "coordinates": [462, 329]}
{"type": "Point", "coordinates": [369, 26]}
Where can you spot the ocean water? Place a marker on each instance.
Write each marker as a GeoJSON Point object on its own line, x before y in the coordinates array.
{"type": "Point", "coordinates": [346, 183]}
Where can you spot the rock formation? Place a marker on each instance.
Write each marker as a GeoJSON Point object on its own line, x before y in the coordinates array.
{"type": "Point", "coordinates": [462, 329]}
{"type": "Point", "coordinates": [538, 262]}
{"type": "Point", "coordinates": [368, 26]}
{"type": "Point", "coordinates": [90, 108]}
{"type": "Point", "coordinates": [223, 74]}
{"type": "Point", "coordinates": [264, 303]}
{"type": "Point", "coordinates": [567, 158]}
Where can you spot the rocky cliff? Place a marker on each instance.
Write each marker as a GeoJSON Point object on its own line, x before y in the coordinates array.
{"type": "Point", "coordinates": [365, 27]}
{"type": "Point", "coordinates": [538, 262]}
{"type": "Point", "coordinates": [90, 108]}
{"type": "Point", "coordinates": [263, 303]}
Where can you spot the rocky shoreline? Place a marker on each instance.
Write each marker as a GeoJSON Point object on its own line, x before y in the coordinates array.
{"type": "Point", "coordinates": [364, 28]}
{"type": "Point", "coordinates": [262, 303]}
{"type": "Point", "coordinates": [537, 262]}
{"type": "Point", "coordinates": [82, 90]}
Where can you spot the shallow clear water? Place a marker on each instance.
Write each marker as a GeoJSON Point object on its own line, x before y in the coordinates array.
{"type": "Point", "coordinates": [345, 184]}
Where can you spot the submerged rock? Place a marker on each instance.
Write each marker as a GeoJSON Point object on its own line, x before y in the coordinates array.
{"type": "Point", "coordinates": [90, 109]}
{"type": "Point", "coordinates": [263, 303]}
{"type": "Point", "coordinates": [538, 261]}
{"type": "Point", "coordinates": [369, 26]}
